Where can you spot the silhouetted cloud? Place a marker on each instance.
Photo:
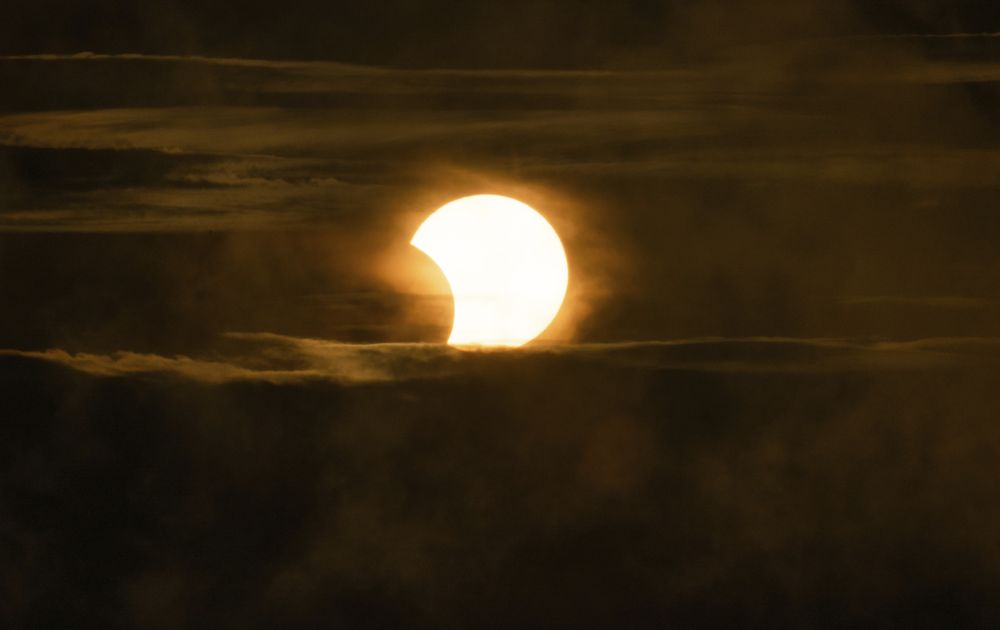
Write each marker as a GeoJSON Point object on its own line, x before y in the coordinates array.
{"type": "Point", "coordinates": [593, 484]}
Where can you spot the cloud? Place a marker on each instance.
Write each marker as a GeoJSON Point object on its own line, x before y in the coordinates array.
{"type": "Point", "coordinates": [342, 364]}
{"type": "Point", "coordinates": [199, 59]}
{"type": "Point", "coordinates": [942, 73]}
{"type": "Point", "coordinates": [643, 480]}
{"type": "Point", "coordinates": [228, 166]}
{"type": "Point", "coordinates": [954, 302]}
{"type": "Point", "coordinates": [270, 143]}
{"type": "Point", "coordinates": [271, 358]}
{"type": "Point", "coordinates": [330, 68]}
{"type": "Point", "coordinates": [982, 35]}
{"type": "Point", "coordinates": [130, 363]}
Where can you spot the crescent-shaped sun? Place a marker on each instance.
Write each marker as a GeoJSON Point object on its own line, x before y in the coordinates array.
{"type": "Point", "coordinates": [505, 265]}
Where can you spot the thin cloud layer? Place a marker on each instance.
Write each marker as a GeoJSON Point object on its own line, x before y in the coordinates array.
{"type": "Point", "coordinates": [264, 143]}
{"type": "Point", "coordinates": [270, 358]}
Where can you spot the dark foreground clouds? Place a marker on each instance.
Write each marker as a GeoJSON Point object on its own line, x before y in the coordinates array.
{"type": "Point", "coordinates": [756, 483]}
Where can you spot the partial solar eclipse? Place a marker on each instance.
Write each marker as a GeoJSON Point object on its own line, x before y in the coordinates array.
{"type": "Point", "coordinates": [505, 265]}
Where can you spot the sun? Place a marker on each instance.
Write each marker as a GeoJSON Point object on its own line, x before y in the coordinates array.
{"type": "Point", "coordinates": [505, 265]}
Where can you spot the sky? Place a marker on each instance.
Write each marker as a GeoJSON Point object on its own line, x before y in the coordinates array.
{"type": "Point", "coordinates": [768, 400]}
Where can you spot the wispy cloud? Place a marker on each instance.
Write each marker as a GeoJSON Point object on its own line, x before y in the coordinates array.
{"type": "Point", "coordinates": [129, 363]}
{"type": "Point", "coordinates": [952, 302]}
{"type": "Point", "coordinates": [268, 166]}
{"type": "Point", "coordinates": [980, 35]}
{"type": "Point", "coordinates": [199, 59]}
{"type": "Point", "coordinates": [252, 142]}
{"type": "Point", "coordinates": [272, 358]}
{"type": "Point", "coordinates": [343, 68]}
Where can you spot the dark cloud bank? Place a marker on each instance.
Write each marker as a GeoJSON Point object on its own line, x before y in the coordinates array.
{"type": "Point", "coordinates": [712, 483]}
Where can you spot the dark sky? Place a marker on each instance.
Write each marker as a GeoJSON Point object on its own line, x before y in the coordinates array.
{"type": "Point", "coordinates": [769, 400]}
